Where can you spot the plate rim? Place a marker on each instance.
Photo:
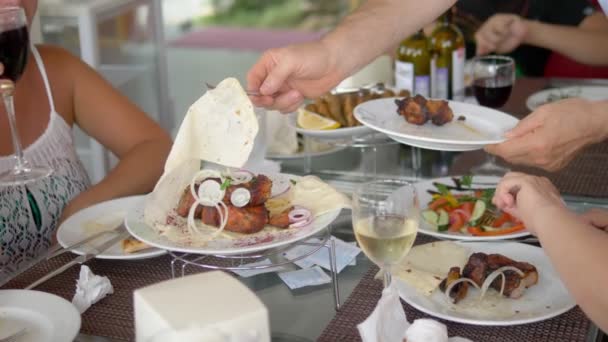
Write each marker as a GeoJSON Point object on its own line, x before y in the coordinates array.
{"type": "Point", "coordinates": [69, 307]}
{"type": "Point", "coordinates": [479, 322]}
{"type": "Point", "coordinates": [455, 237]}
{"type": "Point", "coordinates": [136, 211]}
{"type": "Point", "coordinates": [136, 256]}
{"type": "Point", "coordinates": [529, 100]}
{"type": "Point", "coordinates": [358, 116]}
{"type": "Point", "coordinates": [338, 133]}
{"type": "Point", "coordinates": [298, 155]}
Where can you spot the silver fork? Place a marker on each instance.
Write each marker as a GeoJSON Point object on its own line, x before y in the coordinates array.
{"type": "Point", "coordinates": [15, 336]}
{"type": "Point", "coordinates": [250, 93]}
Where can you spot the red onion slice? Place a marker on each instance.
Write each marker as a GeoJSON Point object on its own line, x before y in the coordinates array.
{"type": "Point", "coordinates": [301, 224]}
{"type": "Point", "coordinates": [299, 214]}
{"type": "Point", "coordinates": [280, 185]}
{"type": "Point", "coordinates": [241, 176]}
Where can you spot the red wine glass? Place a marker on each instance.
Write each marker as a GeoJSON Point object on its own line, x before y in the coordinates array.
{"type": "Point", "coordinates": [14, 48]}
{"type": "Point", "coordinates": [493, 79]}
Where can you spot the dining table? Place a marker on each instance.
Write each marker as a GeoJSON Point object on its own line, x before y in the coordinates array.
{"type": "Point", "coordinates": [309, 313]}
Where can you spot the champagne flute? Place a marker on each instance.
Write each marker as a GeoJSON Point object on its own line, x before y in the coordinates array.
{"type": "Point", "coordinates": [14, 48]}
{"type": "Point", "coordinates": [386, 215]}
{"type": "Point", "coordinates": [493, 78]}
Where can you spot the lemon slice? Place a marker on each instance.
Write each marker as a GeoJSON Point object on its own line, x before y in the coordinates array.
{"type": "Point", "coordinates": [310, 120]}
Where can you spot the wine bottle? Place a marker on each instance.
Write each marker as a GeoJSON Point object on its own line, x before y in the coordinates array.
{"type": "Point", "coordinates": [447, 62]}
{"type": "Point", "coordinates": [412, 66]}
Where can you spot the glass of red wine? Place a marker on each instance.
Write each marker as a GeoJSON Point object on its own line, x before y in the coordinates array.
{"type": "Point", "coordinates": [493, 78]}
{"type": "Point", "coordinates": [14, 49]}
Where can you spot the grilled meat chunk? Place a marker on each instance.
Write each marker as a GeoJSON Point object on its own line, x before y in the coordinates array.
{"type": "Point", "coordinates": [186, 202]}
{"type": "Point", "coordinates": [281, 220]}
{"type": "Point", "coordinates": [480, 265]}
{"type": "Point", "coordinates": [247, 220]}
{"type": "Point", "coordinates": [459, 291]}
{"type": "Point", "coordinates": [260, 188]}
{"type": "Point", "coordinates": [439, 112]}
{"type": "Point", "coordinates": [413, 109]}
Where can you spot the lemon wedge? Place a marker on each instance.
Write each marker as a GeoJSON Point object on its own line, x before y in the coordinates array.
{"type": "Point", "coordinates": [310, 120]}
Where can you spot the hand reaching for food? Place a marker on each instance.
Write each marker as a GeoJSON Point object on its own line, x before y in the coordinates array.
{"type": "Point", "coordinates": [598, 218]}
{"type": "Point", "coordinates": [527, 198]}
{"type": "Point", "coordinates": [501, 33]}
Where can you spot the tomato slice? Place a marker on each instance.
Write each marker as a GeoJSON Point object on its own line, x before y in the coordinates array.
{"type": "Point", "coordinates": [456, 221]}
{"type": "Point", "coordinates": [438, 203]}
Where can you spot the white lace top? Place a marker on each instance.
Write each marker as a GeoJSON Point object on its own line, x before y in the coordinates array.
{"type": "Point", "coordinates": [29, 213]}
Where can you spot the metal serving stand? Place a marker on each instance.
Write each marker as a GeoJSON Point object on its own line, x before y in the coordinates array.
{"type": "Point", "coordinates": [241, 262]}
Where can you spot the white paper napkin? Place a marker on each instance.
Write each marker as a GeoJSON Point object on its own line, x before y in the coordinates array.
{"type": "Point", "coordinates": [388, 323]}
{"type": "Point", "coordinates": [90, 289]}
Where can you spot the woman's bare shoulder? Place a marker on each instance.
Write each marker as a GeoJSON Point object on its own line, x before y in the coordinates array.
{"type": "Point", "coordinates": [58, 57]}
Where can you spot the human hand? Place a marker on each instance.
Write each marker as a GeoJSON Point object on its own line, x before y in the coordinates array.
{"type": "Point", "coordinates": [526, 197]}
{"type": "Point", "coordinates": [285, 76]}
{"type": "Point", "coordinates": [597, 218]}
{"type": "Point", "coordinates": [550, 137]}
{"type": "Point", "coordinates": [501, 33]}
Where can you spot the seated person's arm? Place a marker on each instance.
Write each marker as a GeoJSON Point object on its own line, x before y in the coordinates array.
{"type": "Point", "coordinates": [577, 249]}
{"type": "Point", "coordinates": [587, 43]}
{"type": "Point", "coordinates": [117, 124]}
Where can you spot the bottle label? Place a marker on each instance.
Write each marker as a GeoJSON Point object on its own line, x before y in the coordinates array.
{"type": "Point", "coordinates": [422, 85]}
{"type": "Point", "coordinates": [458, 57]}
{"type": "Point", "coordinates": [439, 81]}
{"type": "Point", "coordinates": [404, 76]}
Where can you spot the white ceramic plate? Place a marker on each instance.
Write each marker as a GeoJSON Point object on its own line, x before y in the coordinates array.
{"type": "Point", "coordinates": [483, 126]}
{"type": "Point", "coordinates": [542, 97]}
{"type": "Point", "coordinates": [46, 317]}
{"type": "Point", "coordinates": [425, 198]}
{"type": "Point", "coordinates": [102, 216]}
{"type": "Point", "coordinates": [330, 134]}
{"type": "Point", "coordinates": [547, 299]}
{"type": "Point", "coordinates": [223, 246]}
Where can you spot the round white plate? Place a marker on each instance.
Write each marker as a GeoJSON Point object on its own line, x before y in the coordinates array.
{"type": "Point", "coordinates": [425, 198]}
{"type": "Point", "coordinates": [547, 299]}
{"type": "Point", "coordinates": [330, 134]}
{"type": "Point", "coordinates": [483, 126]}
{"type": "Point", "coordinates": [542, 97]}
{"type": "Point", "coordinates": [103, 216]}
{"type": "Point", "coordinates": [45, 316]}
{"type": "Point", "coordinates": [304, 154]}
{"type": "Point", "coordinates": [223, 246]}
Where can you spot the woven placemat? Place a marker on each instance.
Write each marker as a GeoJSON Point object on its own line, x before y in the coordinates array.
{"type": "Point", "coordinates": [571, 326]}
{"type": "Point", "coordinates": [585, 175]}
{"type": "Point", "coordinates": [112, 316]}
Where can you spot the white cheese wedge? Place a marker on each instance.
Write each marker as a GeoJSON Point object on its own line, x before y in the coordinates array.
{"type": "Point", "coordinates": [211, 306]}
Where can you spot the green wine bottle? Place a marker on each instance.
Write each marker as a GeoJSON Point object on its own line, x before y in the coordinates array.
{"type": "Point", "coordinates": [447, 63]}
{"type": "Point", "coordinates": [412, 66]}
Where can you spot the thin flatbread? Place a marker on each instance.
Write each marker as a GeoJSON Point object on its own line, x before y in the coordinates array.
{"type": "Point", "coordinates": [132, 245]}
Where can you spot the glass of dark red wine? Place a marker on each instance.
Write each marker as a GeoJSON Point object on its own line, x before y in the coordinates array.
{"type": "Point", "coordinates": [493, 78]}
{"type": "Point", "coordinates": [14, 49]}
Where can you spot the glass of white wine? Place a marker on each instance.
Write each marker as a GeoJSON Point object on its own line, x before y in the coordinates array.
{"type": "Point", "coordinates": [386, 215]}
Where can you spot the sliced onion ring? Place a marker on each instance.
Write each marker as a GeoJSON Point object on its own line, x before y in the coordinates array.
{"type": "Point", "coordinates": [301, 224]}
{"type": "Point", "coordinates": [449, 288]}
{"type": "Point", "coordinates": [498, 272]}
{"type": "Point", "coordinates": [241, 176]}
{"type": "Point", "coordinates": [299, 214]}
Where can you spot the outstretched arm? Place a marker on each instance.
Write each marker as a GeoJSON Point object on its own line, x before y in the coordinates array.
{"type": "Point", "coordinates": [286, 75]}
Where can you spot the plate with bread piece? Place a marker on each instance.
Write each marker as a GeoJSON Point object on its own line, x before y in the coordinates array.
{"type": "Point", "coordinates": [463, 282]}
{"type": "Point", "coordinates": [331, 116]}
{"type": "Point", "coordinates": [435, 124]}
{"type": "Point", "coordinates": [105, 216]}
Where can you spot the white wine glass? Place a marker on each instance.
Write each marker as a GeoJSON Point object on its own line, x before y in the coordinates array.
{"type": "Point", "coordinates": [493, 79]}
{"type": "Point", "coordinates": [386, 215]}
{"type": "Point", "coordinates": [14, 48]}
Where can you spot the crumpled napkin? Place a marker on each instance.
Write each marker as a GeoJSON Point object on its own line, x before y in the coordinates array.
{"type": "Point", "coordinates": [388, 323]}
{"type": "Point", "coordinates": [90, 289]}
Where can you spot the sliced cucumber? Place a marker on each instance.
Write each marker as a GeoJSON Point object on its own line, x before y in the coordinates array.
{"type": "Point", "coordinates": [490, 228]}
{"type": "Point", "coordinates": [444, 220]}
{"type": "Point", "coordinates": [478, 210]}
{"type": "Point", "coordinates": [431, 217]}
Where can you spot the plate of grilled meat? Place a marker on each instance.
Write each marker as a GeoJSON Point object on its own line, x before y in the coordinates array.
{"type": "Point", "coordinates": [331, 116]}
{"type": "Point", "coordinates": [435, 124]}
{"type": "Point", "coordinates": [503, 283]}
{"type": "Point", "coordinates": [235, 212]}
